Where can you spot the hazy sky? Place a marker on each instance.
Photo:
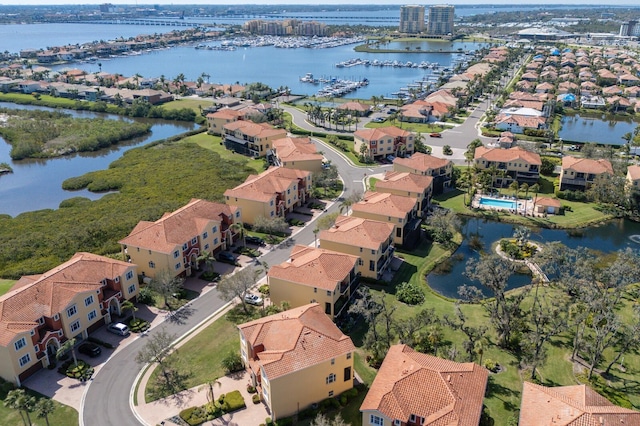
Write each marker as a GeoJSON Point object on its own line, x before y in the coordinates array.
{"type": "Point", "coordinates": [313, 2]}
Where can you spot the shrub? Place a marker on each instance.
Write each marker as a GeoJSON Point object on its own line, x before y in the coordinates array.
{"type": "Point", "coordinates": [194, 416]}
{"type": "Point", "coordinates": [268, 421]}
{"type": "Point", "coordinates": [138, 325]}
{"type": "Point", "coordinates": [410, 293]}
{"type": "Point", "coordinates": [446, 150]}
{"type": "Point", "coordinates": [256, 398]}
{"type": "Point", "coordinates": [264, 289]}
{"type": "Point", "coordinates": [251, 389]}
{"type": "Point", "coordinates": [210, 276]}
{"type": "Point", "coordinates": [491, 365]}
{"type": "Point", "coordinates": [232, 362]}
{"type": "Point", "coordinates": [233, 401]}
{"type": "Point", "coordinates": [145, 296]}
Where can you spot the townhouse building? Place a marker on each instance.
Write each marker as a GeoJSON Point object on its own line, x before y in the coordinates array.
{"type": "Point", "coordinates": [174, 242]}
{"type": "Point", "coordinates": [509, 164]}
{"type": "Point", "coordinates": [295, 153]}
{"type": "Point", "coordinates": [315, 275]}
{"type": "Point", "coordinates": [274, 192]}
{"type": "Point", "coordinates": [370, 240]}
{"type": "Point", "coordinates": [412, 389]}
{"type": "Point", "coordinates": [410, 185]}
{"type": "Point", "coordinates": [578, 174]}
{"type": "Point", "coordinates": [217, 120]}
{"type": "Point", "coordinates": [296, 358]}
{"type": "Point", "coordinates": [249, 138]}
{"type": "Point", "coordinates": [440, 169]}
{"type": "Point", "coordinates": [633, 181]}
{"type": "Point", "coordinates": [384, 141]}
{"type": "Point", "coordinates": [41, 312]}
{"type": "Point", "coordinates": [399, 210]}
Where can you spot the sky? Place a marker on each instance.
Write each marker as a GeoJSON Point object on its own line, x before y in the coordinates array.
{"type": "Point", "coordinates": [310, 2]}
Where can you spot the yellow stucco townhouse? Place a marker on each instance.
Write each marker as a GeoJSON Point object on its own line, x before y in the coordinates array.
{"type": "Point", "coordinates": [440, 169]}
{"type": "Point", "coordinates": [71, 300]}
{"type": "Point", "coordinates": [408, 185]}
{"type": "Point", "coordinates": [249, 138]}
{"type": "Point", "coordinates": [383, 141]}
{"type": "Point", "coordinates": [633, 182]}
{"type": "Point", "coordinates": [296, 358]}
{"type": "Point", "coordinates": [296, 153]}
{"type": "Point", "coordinates": [400, 211]}
{"type": "Point", "coordinates": [370, 240]}
{"type": "Point", "coordinates": [274, 192]}
{"type": "Point", "coordinates": [217, 120]}
{"type": "Point", "coordinates": [513, 164]}
{"type": "Point", "coordinates": [578, 174]}
{"type": "Point", "coordinates": [315, 275]}
{"type": "Point", "coordinates": [174, 242]}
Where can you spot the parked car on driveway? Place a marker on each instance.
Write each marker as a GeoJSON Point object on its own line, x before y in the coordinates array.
{"type": "Point", "coordinates": [254, 240]}
{"type": "Point", "coordinates": [226, 257]}
{"type": "Point", "coordinates": [90, 349]}
{"type": "Point", "coordinates": [252, 299]}
{"type": "Point", "coordinates": [118, 328]}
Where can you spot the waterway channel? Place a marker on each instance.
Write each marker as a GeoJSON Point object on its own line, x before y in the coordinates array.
{"type": "Point", "coordinates": [609, 237]}
{"type": "Point", "coordinates": [36, 184]}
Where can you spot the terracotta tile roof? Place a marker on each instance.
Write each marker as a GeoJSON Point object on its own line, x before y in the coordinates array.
{"type": "Point", "coordinates": [441, 391]}
{"type": "Point", "coordinates": [380, 133]}
{"type": "Point", "coordinates": [295, 339]}
{"type": "Point", "coordinates": [256, 130]}
{"type": "Point", "coordinates": [315, 267]}
{"type": "Point", "coordinates": [177, 227]}
{"type": "Point", "coordinates": [296, 149]}
{"type": "Point", "coordinates": [587, 165]}
{"type": "Point", "coordinates": [355, 106]}
{"type": "Point", "coordinates": [577, 405]}
{"type": "Point", "coordinates": [355, 231]}
{"type": "Point", "coordinates": [404, 181]}
{"type": "Point", "coordinates": [537, 105]}
{"type": "Point", "coordinates": [385, 204]}
{"type": "Point", "coordinates": [547, 202]}
{"type": "Point", "coordinates": [506, 155]}
{"type": "Point", "coordinates": [226, 113]}
{"type": "Point", "coordinates": [48, 294]}
{"type": "Point", "coordinates": [266, 185]}
{"type": "Point", "coordinates": [634, 172]}
{"type": "Point", "coordinates": [422, 162]}
{"type": "Point", "coordinates": [442, 95]}
{"type": "Point", "coordinates": [524, 121]}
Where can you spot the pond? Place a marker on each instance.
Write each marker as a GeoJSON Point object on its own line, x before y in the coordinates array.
{"type": "Point", "coordinates": [612, 236]}
{"type": "Point", "coordinates": [36, 184]}
{"type": "Point", "coordinates": [600, 129]}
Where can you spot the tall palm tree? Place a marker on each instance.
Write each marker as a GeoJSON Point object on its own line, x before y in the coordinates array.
{"type": "Point", "coordinates": [13, 400]}
{"type": "Point", "coordinates": [209, 388]}
{"type": "Point", "coordinates": [239, 227]}
{"type": "Point", "coordinates": [514, 187]}
{"type": "Point", "coordinates": [44, 407]}
{"type": "Point", "coordinates": [128, 305]}
{"type": "Point", "coordinates": [66, 347]}
{"type": "Point", "coordinates": [525, 187]}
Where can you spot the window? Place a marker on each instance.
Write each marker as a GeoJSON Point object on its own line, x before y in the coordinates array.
{"type": "Point", "coordinates": [347, 374]}
{"type": "Point", "coordinates": [397, 422]}
{"type": "Point", "coordinates": [349, 355]}
{"type": "Point", "coordinates": [214, 229]}
{"type": "Point", "coordinates": [412, 418]}
{"type": "Point", "coordinates": [238, 215]}
{"type": "Point", "coordinates": [92, 315]}
{"type": "Point", "coordinates": [330, 378]}
{"type": "Point", "coordinates": [129, 275]}
{"type": "Point", "coordinates": [333, 361]}
{"type": "Point", "coordinates": [25, 360]}
{"type": "Point", "coordinates": [75, 326]}
{"type": "Point", "coordinates": [271, 203]}
{"type": "Point", "coordinates": [20, 344]}
{"type": "Point", "coordinates": [360, 249]}
{"type": "Point", "coordinates": [194, 240]}
{"type": "Point", "coordinates": [131, 288]}
{"type": "Point", "coordinates": [152, 265]}
{"type": "Point", "coordinates": [373, 252]}
{"type": "Point", "coordinates": [330, 394]}
{"type": "Point", "coordinates": [88, 301]}
{"type": "Point", "coordinates": [360, 262]}
{"type": "Point", "coordinates": [328, 292]}
{"type": "Point", "coordinates": [176, 254]}
{"type": "Point", "coordinates": [315, 289]}
{"type": "Point", "coordinates": [375, 420]}
{"type": "Point", "coordinates": [288, 191]}
{"type": "Point", "coordinates": [272, 214]}
{"type": "Point", "coordinates": [56, 317]}
{"type": "Point", "coordinates": [205, 235]}
{"type": "Point", "coordinates": [72, 311]}
{"type": "Point", "coordinates": [372, 265]}
{"type": "Point", "coordinates": [215, 241]}
{"type": "Point", "coordinates": [206, 246]}
{"type": "Point", "coordinates": [184, 247]}
{"type": "Point", "coordinates": [421, 420]}
{"type": "Point", "coordinates": [178, 265]}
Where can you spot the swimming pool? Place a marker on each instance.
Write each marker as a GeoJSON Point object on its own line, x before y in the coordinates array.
{"type": "Point", "coordinates": [501, 204]}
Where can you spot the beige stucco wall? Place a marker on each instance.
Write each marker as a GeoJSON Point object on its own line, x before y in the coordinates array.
{"type": "Point", "coordinates": [365, 255]}
{"type": "Point", "coordinates": [9, 357]}
{"type": "Point", "coordinates": [251, 209]}
{"type": "Point", "coordinates": [314, 166]}
{"type": "Point", "coordinates": [300, 295]}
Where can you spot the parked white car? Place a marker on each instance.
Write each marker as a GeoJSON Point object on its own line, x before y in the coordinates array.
{"type": "Point", "coordinates": [252, 299]}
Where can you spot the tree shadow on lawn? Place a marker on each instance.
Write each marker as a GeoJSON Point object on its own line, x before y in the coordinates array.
{"type": "Point", "coordinates": [503, 393]}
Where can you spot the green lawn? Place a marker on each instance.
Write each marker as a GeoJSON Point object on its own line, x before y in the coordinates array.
{"type": "Point", "coordinates": [5, 285]}
{"type": "Point", "coordinates": [214, 143]}
{"type": "Point", "coordinates": [193, 104]}
{"type": "Point", "coordinates": [63, 415]}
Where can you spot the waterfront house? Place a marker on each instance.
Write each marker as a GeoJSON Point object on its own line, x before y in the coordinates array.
{"type": "Point", "coordinates": [41, 312]}
{"type": "Point", "coordinates": [412, 389]}
{"type": "Point", "coordinates": [633, 182]}
{"type": "Point", "coordinates": [628, 79]}
{"type": "Point", "coordinates": [174, 242]}
{"type": "Point", "coordinates": [357, 109]}
{"type": "Point", "coordinates": [296, 358]}
{"type": "Point", "coordinates": [370, 240]}
{"type": "Point", "coordinates": [440, 169]}
{"type": "Point", "coordinates": [570, 405]}
{"type": "Point", "coordinates": [547, 205]}
{"type": "Point", "coordinates": [384, 141]}
{"type": "Point", "coordinates": [399, 210]}
{"type": "Point", "coordinates": [295, 153]}
{"type": "Point", "coordinates": [408, 184]}
{"type": "Point", "coordinates": [593, 102]}
{"type": "Point", "coordinates": [509, 164]}
{"type": "Point", "coordinates": [578, 174]}
{"type": "Point", "coordinates": [274, 192]}
{"type": "Point", "coordinates": [516, 123]}
{"type": "Point", "coordinates": [315, 275]}
{"type": "Point", "coordinates": [249, 138]}
{"type": "Point", "coordinates": [217, 120]}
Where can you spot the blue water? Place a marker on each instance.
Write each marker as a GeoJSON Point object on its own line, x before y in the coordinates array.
{"type": "Point", "coordinates": [600, 129]}
{"type": "Point", "coordinates": [494, 202]}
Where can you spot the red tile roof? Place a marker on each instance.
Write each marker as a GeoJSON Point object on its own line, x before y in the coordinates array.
{"type": "Point", "coordinates": [507, 155]}
{"type": "Point", "coordinates": [441, 391]}
{"type": "Point", "coordinates": [381, 132]}
{"type": "Point", "coordinates": [296, 149]}
{"type": "Point", "coordinates": [422, 162]}
{"type": "Point", "coordinates": [295, 339]}
{"type": "Point", "coordinates": [634, 172]}
{"type": "Point", "coordinates": [266, 185]}
{"type": "Point", "coordinates": [358, 232]}
{"type": "Point", "coordinates": [587, 165]}
{"type": "Point", "coordinates": [315, 267]}
{"type": "Point", "coordinates": [404, 181]}
{"type": "Point", "coordinates": [547, 202]}
{"type": "Point", "coordinates": [385, 204]}
{"type": "Point", "coordinates": [577, 405]}
{"type": "Point", "coordinates": [258, 130]}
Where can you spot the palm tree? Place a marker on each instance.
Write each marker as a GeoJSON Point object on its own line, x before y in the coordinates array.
{"type": "Point", "coordinates": [207, 259]}
{"type": "Point", "coordinates": [44, 407]}
{"type": "Point", "coordinates": [209, 388]}
{"type": "Point", "coordinates": [535, 188]}
{"type": "Point", "coordinates": [66, 347]}
{"type": "Point", "coordinates": [525, 187]}
{"type": "Point", "coordinates": [239, 227]}
{"type": "Point", "coordinates": [514, 188]}
{"type": "Point", "coordinates": [128, 305]}
{"type": "Point", "coordinates": [13, 400]}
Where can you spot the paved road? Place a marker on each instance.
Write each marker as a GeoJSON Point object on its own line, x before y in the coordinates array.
{"type": "Point", "coordinates": [107, 398]}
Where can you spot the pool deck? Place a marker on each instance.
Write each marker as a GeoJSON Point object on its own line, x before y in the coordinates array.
{"type": "Point", "coordinates": [524, 207]}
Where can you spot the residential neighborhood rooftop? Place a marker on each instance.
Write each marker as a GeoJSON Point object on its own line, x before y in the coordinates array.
{"type": "Point", "coordinates": [356, 231]}
{"type": "Point", "coordinates": [423, 162]}
{"type": "Point", "coordinates": [587, 165]}
{"type": "Point", "coordinates": [404, 181]}
{"type": "Point", "coordinates": [385, 204]}
{"type": "Point", "coordinates": [506, 155]}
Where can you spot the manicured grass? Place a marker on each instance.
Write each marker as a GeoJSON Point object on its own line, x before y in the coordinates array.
{"type": "Point", "coordinates": [193, 104]}
{"type": "Point", "coordinates": [63, 415]}
{"type": "Point", "coordinates": [202, 355]}
{"type": "Point", "coordinates": [5, 285]}
{"type": "Point", "coordinates": [213, 143]}
{"type": "Point", "coordinates": [366, 373]}
{"type": "Point", "coordinates": [412, 127]}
